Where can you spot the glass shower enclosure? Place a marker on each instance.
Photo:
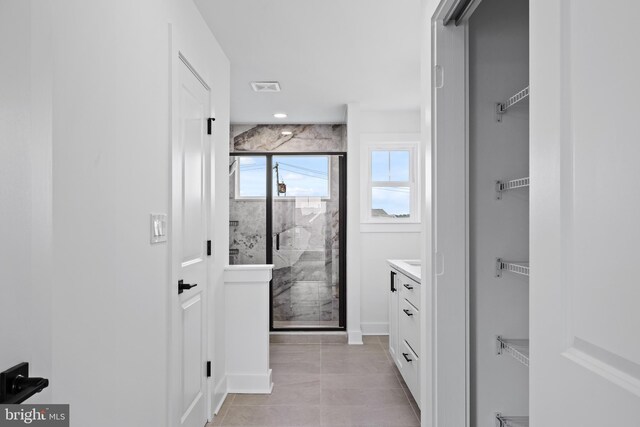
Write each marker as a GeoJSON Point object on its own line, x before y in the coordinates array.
{"type": "Point", "coordinates": [288, 209]}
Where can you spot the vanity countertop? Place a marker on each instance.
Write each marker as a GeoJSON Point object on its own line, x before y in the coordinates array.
{"type": "Point", "coordinates": [409, 267]}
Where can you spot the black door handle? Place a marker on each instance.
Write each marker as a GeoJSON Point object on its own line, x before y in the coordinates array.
{"type": "Point", "coordinates": [16, 385]}
{"type": "Point", "coordinates": [406, 357]}
{"type": "Point", "coordinates": [22, 383]}
{"type": "Point", "coordinates": [393, 281]}
{"type": "Point", "coordinates": [407, 312]}
{"type": "Point", "coordinates": [406, 285]}
{"type": "Point", "coordinates": [277, 241]}
{"type": "Point", "coordinates": [182, 286]}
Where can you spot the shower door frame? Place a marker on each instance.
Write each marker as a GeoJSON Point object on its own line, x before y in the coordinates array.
{"type": "Point", "coordinates": [342, 238]}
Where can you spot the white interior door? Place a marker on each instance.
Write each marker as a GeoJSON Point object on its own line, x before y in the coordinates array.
{"type": "Point", "coordinates": [189, 200]}
{"type": "Point", "coordinates": [585, 210]}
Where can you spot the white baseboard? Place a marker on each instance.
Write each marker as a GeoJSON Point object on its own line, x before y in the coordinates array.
{"type": "Point", "coordinates": [375, 328]}
{"type": "Point", "coordinates": [355, 337]}
{"type": "Point", "coordinates": [250, 383]}
{"type": "Point", "coordinates": [219, 395]}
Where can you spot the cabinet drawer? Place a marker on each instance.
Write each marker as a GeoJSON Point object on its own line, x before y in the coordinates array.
{"type": "Point", "coordinates": [409, 325]}
{"type": "Point", "coordinates": [410, 290]}
{"type": "Point", "coordinates": [409, 364]}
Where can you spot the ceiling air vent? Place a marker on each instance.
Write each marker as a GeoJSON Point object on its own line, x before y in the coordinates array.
{"type": "Point", "coordinates": [265, 86]}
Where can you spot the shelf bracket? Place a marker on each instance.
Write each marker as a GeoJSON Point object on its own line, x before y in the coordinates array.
{"type": "Point", "coordinates": [521, 268]}
{"type": "Point", "coordinates": [502, 186]}
{"type": "Point", "coordinates": [498, 267]}
{"type": "Point", "coordinates": [505, 421]}
{"type": "Point", "coordinates": [502, 107]}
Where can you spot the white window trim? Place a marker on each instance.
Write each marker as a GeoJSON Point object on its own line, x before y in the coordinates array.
{"type": "Point", "coordinates": [389, 142]}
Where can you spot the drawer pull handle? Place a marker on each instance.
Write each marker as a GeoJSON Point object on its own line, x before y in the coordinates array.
{"type": "Point", "coordinates": [406, 357]}
{"type": "Point", "coordinates": [408, 286]}
{"type": "Point", "coordinates": [407, 312]}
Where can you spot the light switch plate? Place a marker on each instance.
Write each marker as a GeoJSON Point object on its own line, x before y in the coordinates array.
{"type": "Point", "coordinates": [158, 228]}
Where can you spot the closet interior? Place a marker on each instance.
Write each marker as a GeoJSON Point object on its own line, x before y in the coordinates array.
{"type": "Point", "coordinates": [498, 212]}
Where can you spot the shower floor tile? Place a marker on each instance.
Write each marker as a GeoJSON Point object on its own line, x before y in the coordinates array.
{"type": "Point", "coordinates": [279, 324]}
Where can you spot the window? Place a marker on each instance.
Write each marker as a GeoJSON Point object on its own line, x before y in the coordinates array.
{"type": "Point", "coordinates": [251, 177]}
{"type": "Point", "coordinates": [292, 176]}
{"type": "Point", "coordinates": [390, 193]}
{"type": "Point", "coordinates": [302, 176]}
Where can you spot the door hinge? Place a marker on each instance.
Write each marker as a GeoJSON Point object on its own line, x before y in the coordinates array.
{"type": "Point", "coordinates": [208, 369]}
{"type": "Point", "coordinates": [210, 124]}
{"type": "Point", "coordinates": [208, 247]}
{"type": "Point", "coordinates": [438, 77]}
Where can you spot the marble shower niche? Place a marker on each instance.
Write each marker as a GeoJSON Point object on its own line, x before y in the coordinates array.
{"type": "Point", "coordinates": [305, 217]}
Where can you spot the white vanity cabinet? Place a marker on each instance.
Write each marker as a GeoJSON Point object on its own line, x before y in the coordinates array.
{"type": "Point", "coordinates": [404, 322]}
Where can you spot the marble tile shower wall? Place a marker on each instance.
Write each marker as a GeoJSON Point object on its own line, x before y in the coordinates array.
{"type": "Point", "coordinates": [306, 267]}
{"type": "Point", "coordinates": [303, 138]}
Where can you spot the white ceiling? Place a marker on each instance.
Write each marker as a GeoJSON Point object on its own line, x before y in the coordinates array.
{"type": "Point", "coordinates": [324, 53]}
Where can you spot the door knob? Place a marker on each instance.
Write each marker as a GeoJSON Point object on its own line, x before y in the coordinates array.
{"type": "Point", "coordinates": [182, 286]}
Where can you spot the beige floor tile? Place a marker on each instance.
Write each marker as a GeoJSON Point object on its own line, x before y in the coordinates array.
{"type": "Point", "coordinates": [296, 380]}
{"type": "Point", "coordinates": [304, 367]}
{"type": "Point", "coordinates": [337, 381]}
{"type": "Point", "coordinates": [352, 349]}
{"type": "Point", "coordinates": [333, 339]}
{"type": "Point", "coordinates": [298, 356]}
{"type": "Point", "coordinates": [363, 397]}
{"type": "Point", "coordinates": [288, 389]}
{"type": "Point", "coordinates": [351, 357]}
{"type": "Point", "coordinates": [267, 416]}
{"type": "Point", "coordinates": [277, 348]}
{"type": "Point", "coordinates": [295, 339]}
{"type": "Point", "coordinates": [282, 396]}
{"type": "Point", "coordinates": [321, 380]}
{"type": "Point", "coordinates": [351, 367]}
{"type": "Point", "coordinates": [366, 416]}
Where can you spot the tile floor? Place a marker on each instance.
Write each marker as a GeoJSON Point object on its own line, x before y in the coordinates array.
{"type": "Point", "coordinates": [319, 380]}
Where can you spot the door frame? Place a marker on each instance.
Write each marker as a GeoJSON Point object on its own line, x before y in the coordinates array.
{"type": "Point", "coordinates": [178, 58]}
{"type": "Point", "coordinates": [342, 203]}
{"type": "Point", "coordinates": [450, 136]}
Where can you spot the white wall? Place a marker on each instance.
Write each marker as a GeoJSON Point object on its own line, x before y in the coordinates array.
{"type": "Point", "coordinates": [374, 247]}
{"type": "Point", "coordinates": [25, 190]}
{"type": "Point", "coordinates": [100, 328]}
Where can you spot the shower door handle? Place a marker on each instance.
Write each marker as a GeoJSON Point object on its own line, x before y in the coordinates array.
{"type": "Point", "coordinates": [277, 241]}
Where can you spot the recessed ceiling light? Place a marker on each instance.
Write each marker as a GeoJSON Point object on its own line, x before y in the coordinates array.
{"type": "Point", "coordinates": [280, 115]}
{"type": "Point", "coordinates": [265, 86]}
{"type": "Point", "coordinates": [286, 132]}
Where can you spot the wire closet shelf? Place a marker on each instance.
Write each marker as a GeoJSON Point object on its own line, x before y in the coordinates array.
{"type": "Point", "coordinates": [516, 348]}
{"type": "Point", "coordinates": [507, 421]}
{"type": "Point", "coordinates": [502, 107]}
